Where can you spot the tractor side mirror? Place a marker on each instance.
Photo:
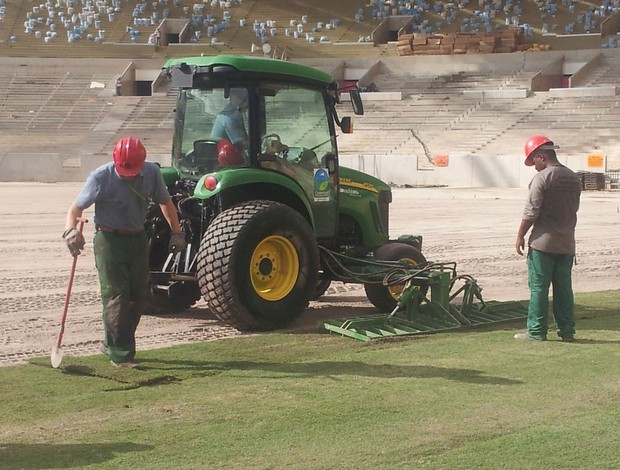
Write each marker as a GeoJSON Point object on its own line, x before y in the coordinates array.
{"type": "Point", "coordinates": [346, 125]}
{"type": "Point", "coordinates": [356, 101]}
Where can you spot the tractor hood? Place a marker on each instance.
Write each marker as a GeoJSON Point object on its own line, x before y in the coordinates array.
{"type": "Point", "coordinates": [353, 181]}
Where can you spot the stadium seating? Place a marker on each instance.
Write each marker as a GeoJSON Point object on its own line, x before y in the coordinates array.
{"type": "Point", "coordinates": [467, 105]}
{"type": "Point", "coordinates": [64, 27]}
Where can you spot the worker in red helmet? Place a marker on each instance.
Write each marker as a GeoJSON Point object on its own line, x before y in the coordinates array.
{"type": "Point", "coordinates": [551, 213]}
{"type": "Point", "coordinates": [121, 192]}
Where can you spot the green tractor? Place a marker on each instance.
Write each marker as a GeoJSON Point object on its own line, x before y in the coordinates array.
{"type": "Point", "coordinates": [270, 216]}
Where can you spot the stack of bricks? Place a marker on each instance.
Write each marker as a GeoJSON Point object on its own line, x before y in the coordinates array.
{"type": "Point", "coordinates": [506, 40]}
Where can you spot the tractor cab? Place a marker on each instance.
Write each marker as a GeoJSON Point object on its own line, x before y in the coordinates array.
{"type": "Point", "coordinates": [233, 113]}
{"type": "Point", "coordinates": [254, 114]}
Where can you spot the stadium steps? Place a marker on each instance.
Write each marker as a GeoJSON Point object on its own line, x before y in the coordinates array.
{"type": "Point", "coordinates": [607, 74]}
{"type": "Point", "coordinates": [491, 120]}
{"type": "Point", "coordinates": [150, 118]}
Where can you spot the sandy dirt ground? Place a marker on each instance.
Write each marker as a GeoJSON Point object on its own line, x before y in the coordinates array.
{"type": "Point", "coordinates": [474, 227]}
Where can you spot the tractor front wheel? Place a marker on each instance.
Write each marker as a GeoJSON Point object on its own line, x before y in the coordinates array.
{"type": "Point", "coordinates": [386, 297]}
{"type": "Point", "coordinates": [258, 265]}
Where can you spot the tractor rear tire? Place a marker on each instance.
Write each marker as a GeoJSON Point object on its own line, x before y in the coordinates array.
{"type": "Point", "coordinates": [385, 298]}
{"type": "Point", "coordinates": [258, 265]}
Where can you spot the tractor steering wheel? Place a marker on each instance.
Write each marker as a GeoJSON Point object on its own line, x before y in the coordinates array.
{"type": "Point", "coordinates": [268, 140]}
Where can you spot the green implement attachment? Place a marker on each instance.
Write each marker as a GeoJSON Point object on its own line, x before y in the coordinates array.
{"type": "Point", "coordinates": [416, 313]}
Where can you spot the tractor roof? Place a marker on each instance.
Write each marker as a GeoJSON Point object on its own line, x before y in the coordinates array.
{"type": "Point", "coordinates": [251, 65]}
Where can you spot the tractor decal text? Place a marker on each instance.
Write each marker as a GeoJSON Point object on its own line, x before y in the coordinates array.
{"type": "Point", "coordinates": [356, 184]}
{"type": "Point", "coordinates": [350, 191]}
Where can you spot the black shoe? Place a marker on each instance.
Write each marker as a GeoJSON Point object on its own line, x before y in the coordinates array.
{"type": "Point", "coordinates": [568, 339]}
{"type": "Point", "coordinates": [126, 364]}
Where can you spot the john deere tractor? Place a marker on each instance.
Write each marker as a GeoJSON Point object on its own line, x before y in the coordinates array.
{"type": "Point", "coordinates": [270, 216]}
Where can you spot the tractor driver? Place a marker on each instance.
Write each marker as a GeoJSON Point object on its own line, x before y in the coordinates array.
{"type": "Point", "coordinates": [230, 131]}
{"type": "Point", "coordinates": [230, 121]}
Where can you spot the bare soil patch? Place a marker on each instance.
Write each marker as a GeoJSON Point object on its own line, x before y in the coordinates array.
{"type": "Point", "coordinates": [476, 228]}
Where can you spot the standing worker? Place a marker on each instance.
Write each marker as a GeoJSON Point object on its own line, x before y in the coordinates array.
{"type": "Point", "coordinates": [121, 191]}
{"type": "Point", "coordinates": [551, 212]}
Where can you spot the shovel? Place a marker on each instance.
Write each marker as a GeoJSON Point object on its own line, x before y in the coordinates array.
{"type": "Point", "coordinates": [56, 356]}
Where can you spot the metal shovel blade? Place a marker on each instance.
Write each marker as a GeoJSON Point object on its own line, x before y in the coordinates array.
{"type": "Point", "coordinates": [56, 356]}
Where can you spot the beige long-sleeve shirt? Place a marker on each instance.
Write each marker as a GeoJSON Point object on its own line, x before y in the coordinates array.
{"type": "Point", "coordinates": [552, 207]}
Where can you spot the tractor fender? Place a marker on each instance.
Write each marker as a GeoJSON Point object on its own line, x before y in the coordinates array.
{"type": "Point", "coordinates": [243, 184]}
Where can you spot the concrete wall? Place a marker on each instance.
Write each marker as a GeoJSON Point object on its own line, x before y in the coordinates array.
{"type": "Point", "coordinates": [381, 34]}
{"type": "Point", "coordinates": [398, 169]}
{"type": "Point", "coordinates": [48, 167]}
{"type": "Point", "coordinates": [580, 77]}
{"type": "Point", "coordinates": [584, 91]}
{"type": "Point", "coordinates": [463, 170]}
{"type": "Point", "coordinates": [30, 167]}
{"type": "Point", "coordinates": [611, 25]}
{"type": "Point", "coordinates": [550, 77]}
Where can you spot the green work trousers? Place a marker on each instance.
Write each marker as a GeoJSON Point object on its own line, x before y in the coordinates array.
{"type": "Point", "coordinates": [122, 265]}
{"type": "Point", "coordinates": [545, 269]}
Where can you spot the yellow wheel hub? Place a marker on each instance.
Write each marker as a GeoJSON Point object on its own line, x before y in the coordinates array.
{"type": "Point", "coordinates": [397, 289]}
{"type": "Point", "coordinates": [274, 268]}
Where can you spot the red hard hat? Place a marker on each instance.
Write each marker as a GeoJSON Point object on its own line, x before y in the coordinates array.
{"type": "Point", "coordinates": [534, 143]}
{"type": "Point", "coordinates": [228, 154]}
{"type": "Point", "coordinates": [129, 155]}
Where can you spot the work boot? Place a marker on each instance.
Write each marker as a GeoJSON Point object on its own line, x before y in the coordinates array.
{"type": "Point", "coordinates": [527, 337]}
{"type": "Point", "coordinates": [126, 364]}
{"type": "Point", "coordinates": [567, 339]}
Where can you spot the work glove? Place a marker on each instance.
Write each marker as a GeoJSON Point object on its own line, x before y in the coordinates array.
{"type": "Point", "coordinates": [177, 242]}
{"type": "Point", "coordinates": [74, 240]}
{"type": "Point", "coordinates": [276, 147]}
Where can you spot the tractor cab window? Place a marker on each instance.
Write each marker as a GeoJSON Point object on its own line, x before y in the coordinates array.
{"type": "Point", "coordinates": [296, 131]}
{"type": "Point", "coordinates": [211, 130]}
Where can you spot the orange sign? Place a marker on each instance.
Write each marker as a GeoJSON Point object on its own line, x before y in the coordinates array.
{"type": "Point", "coordinates": [441, 160]}
{"type": "Point", "coordinates": [595, 161]}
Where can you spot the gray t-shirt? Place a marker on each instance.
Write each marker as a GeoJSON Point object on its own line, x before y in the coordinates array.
{"type": "Point", "coordinates": [552, 206]}
{"type": "Point", "coordinates": [118, 206]}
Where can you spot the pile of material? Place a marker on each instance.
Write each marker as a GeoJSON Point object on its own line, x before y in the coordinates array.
{"type": "Point", "coordinates": [505, 40]}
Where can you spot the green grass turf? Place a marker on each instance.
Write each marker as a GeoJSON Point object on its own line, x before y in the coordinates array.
{"type": "Point", "coordinates": [468, 399]}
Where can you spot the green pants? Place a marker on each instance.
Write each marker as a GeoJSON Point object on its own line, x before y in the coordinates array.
{"type": "Point", "coordinates": [545, 269]}
{"type": "Point", "coordinates": [122, 265]}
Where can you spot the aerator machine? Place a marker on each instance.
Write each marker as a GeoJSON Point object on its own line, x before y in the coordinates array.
{"type": "Point", "coordinates": [434, 298]}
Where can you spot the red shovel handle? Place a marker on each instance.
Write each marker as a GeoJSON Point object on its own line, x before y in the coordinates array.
{"type": "Point", "coordinates": [80, 227]}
